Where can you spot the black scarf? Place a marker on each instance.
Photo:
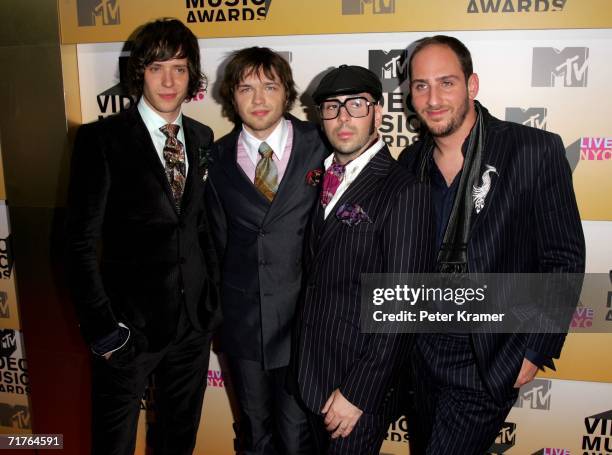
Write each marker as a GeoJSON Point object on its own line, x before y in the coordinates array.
{"type": "Point", "coordinates": [452, 257]}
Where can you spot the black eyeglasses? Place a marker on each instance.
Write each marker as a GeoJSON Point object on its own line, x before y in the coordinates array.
{"type": "Point", "coordinates": [356, 107]}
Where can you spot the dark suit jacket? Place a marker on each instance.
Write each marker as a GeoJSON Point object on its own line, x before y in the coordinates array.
{"type": "Point", "coordinates": [260, 246]}
{"type": "Point", "coordinates": [332, 351]}
{"type": "Point", "coordinates": [152, 257]}
{"type": "Point", "coordinates": [529, 224]}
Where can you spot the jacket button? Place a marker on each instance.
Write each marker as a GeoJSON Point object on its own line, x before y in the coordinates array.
{"type": "Point", "coordinates": [262, 262]}
{"type": "Point", "coordinates": [262, 233]}
{"type": "Point", "coordinates": [181, 224]}
{"type": "Point", "coordinates": [182, 261]}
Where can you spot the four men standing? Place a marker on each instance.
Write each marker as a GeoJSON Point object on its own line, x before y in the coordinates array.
{"type": "Point", "coordinates": [275, 202]}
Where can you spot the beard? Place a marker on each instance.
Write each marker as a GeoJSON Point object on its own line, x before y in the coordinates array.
{"type": "Point", "coordinates": [452, 125]}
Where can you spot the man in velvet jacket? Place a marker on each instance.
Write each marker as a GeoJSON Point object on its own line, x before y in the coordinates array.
{"type": "Point", "coordinates": [149, 304]}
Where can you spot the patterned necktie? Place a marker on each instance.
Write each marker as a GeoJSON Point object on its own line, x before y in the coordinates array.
{"type": "Point", "coordinates": [266, 173]}
{"type": "Point", "coordinates": [331, 181]}
{"type": "Point", "coordinates": [174, 156]}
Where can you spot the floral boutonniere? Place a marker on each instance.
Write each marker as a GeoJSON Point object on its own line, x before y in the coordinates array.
{"type": "Point", "coordinates": [205, 160]}
{"type": "Point", "coordinates": [314, 177]}
{"type": "Point", "coordinates": [352, 214]}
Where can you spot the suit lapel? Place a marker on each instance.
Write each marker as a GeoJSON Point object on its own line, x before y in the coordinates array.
{"type": "Point", "coordinates": [316, 224]}
{"type": "Point", "coordinates": [229, 164]}
{"type": "Point", "coordinates": [358, 191]}
{"type": "Point", "coordinates": [294, 178]}
{"type": "Point", "coordinates": [496, 156]}
{"type": "Point", "coordinates": [141, 141]}
{"type": "Point", "coordinates": [192, 145]}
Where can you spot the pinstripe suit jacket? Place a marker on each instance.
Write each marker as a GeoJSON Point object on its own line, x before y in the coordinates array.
{"type": "Point", "coordinates": [332, 351]}
{"type": "Point", "coordinates": [529, 224]}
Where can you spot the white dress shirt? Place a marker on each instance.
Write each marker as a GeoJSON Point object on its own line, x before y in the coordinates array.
{"type": "Point", "coordinates": [351, 171]}
{"type": "Point", "coordinates": [153, 121]}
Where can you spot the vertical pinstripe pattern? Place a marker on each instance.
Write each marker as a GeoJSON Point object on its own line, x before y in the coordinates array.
{"type": "Point", "coordinates": [332, 352]}
{"type": "Point", "coordinates": [530, 223]}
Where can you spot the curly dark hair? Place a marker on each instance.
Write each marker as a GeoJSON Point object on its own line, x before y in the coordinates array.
{"type": "Point", "coordinates": [162, 40]}
{"type": "Point", "coordinates": [252, 60]}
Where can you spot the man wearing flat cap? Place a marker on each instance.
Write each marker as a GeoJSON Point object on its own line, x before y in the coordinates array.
{"type": "Point", "coordinates": [372, 217]}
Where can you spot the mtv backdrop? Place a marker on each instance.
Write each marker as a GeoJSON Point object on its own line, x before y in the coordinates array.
{"type": "Point", "coordinates": [14, 378]}
{"type": "Point", "coordinates": [86, 21]}
{"type": "Point", "coordinates": [526, 77]}
{"type": "Point", "coordinates": [559, 84]}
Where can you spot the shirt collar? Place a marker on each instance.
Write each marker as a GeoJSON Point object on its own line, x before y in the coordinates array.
{"type": "Point", "coordinates": [152, 120]}
{"type": "Point", "coordinates": [358, 163]}
{"type": "Point", "coordinates": [437, 179]}
{"type": "Point", "coordinates": [276, 140]}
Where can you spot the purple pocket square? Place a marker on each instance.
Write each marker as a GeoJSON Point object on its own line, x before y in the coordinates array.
{"type": "Point", "coordinates": [352, 214]}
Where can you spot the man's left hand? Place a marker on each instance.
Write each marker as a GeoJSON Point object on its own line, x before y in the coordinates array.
{"type": "Point", "coordinates": [527, 373]}
{"type": "Point", "coordinates": [341, 415]}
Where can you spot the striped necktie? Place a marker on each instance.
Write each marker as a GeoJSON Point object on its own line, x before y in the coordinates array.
{"type": "Point", "coordinates": [266, 172]}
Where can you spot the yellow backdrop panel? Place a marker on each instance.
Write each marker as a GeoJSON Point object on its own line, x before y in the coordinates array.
{"type": "Point", "coordinates": [93, 21]}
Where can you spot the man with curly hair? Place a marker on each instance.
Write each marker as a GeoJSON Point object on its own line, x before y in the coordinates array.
{"type": "Point", "coordinates": [147, 306]}
{"type": "Point", "coordinates": [263, 185]}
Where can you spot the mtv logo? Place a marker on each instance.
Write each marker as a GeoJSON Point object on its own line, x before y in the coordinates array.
{"type": "Point", "coordinates": [559, 68]}
{"type": "Point", "coordinates": [8, 342]}
{"type": "Point", "coordinates": [535, 117]}
{"type": "Point", "coordinates": [15, 416]}
{"type": "Point", "coordinates": [351, 7]}
{"type": "Point", "coordinates": [390, 66]}
{"type": "Point", "coordinates": [599, 424]}
{"type": "Point", "coordinates": [98, 12]}
{"type": "Point", "coordinates": [4, 306]}
{"type": "Point", "coordinates": [506, 438]}
{"type": "Point", "coordinates": [535, 395]}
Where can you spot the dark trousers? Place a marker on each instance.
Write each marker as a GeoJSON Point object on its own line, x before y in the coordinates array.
{"type": "Point", "coordinates": [271, 420]}
{"type": "Point", "coordinates": [180, 373]}
{"type": "Point", "coordinates": [365, 439]}
{"type": "Point", "coordinates": [453, 411]}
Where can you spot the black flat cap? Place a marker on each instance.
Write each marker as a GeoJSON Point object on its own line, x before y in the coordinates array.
{"type": "Point", "coordinates": [348, 80]}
